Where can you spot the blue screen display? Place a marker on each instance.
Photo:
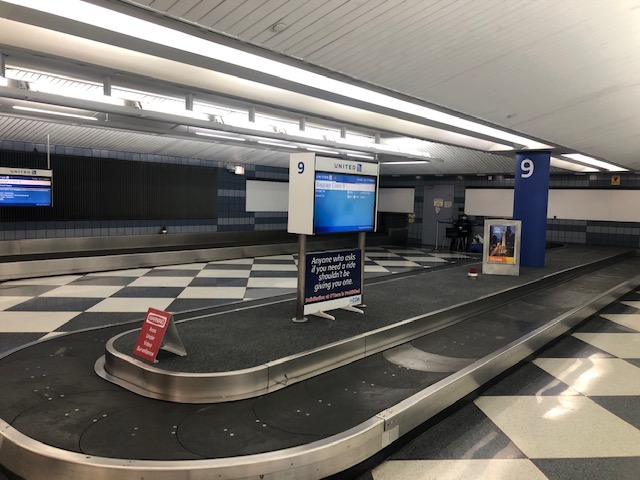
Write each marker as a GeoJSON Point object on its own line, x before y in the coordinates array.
{"type": "Point", "coordinates": [25, 191]}
{"type": "Point", "coordinates": [344, 203]}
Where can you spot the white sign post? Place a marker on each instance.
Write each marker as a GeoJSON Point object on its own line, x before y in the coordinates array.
{"type": "Point", "coordinates": [328, 195]}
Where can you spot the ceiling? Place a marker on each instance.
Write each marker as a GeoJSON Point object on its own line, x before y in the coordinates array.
{"type": "Point", "coordinates": [564, 75]}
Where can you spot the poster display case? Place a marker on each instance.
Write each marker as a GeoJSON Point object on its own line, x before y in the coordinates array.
{"type": "Point", "coordinates": [501, 251]}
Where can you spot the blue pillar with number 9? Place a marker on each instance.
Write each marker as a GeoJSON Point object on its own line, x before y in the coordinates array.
{"type": "Point", "coordinates": [530, 200]}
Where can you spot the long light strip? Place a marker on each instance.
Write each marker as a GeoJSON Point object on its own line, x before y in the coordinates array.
{"type": "Point", "coordinates": [574, 167]}
{"type": "Point", "coordinates": [320, 150]}
{"type": "Point", "coordinates": [578, 157]}
{"type": "Point", "coordinates": [181, 112]}
{"type": "Point", "coordinates": [46, 87]}
{"type": "Point", "coordinates": [223, 137]}
{"type": "Point", "coordinates": [274, 144]}
{"type": "Point", "coordinates": [78, 89]}
{"type": "Point", "coordinates": [118, 22]}
{"type": "Point", "coordinates": [52, 112]}
{"type": "Point", "coordinates": [416, 162]}
{"type": "Point", "coordinates": [360, 155]}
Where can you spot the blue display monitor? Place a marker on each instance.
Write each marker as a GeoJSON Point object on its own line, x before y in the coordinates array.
{"type": "Point", "coordinates": [22, 187]}
{"type": "Point", "coordinates": [344, 203]}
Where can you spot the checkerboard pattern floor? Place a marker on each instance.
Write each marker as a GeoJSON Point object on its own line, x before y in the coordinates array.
{"type": "Point", "coordinates": [33, 308]}
{"type": "Point", "coordinates": [571, 413]}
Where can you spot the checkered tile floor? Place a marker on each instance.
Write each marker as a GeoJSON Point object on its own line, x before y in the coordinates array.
{"type": "Point", "coordinates": [33, 308]}
{"type": "Point", "coordinates": [571, 413]}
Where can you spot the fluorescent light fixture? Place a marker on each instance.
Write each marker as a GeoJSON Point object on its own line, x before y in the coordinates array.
{"type": "Point", "coordinates": [360, 155]}
{"type": "Point", "coordinates": [276, 144]}
{"type": "Point", "coordinates": [408, 162]}
{"type": "Point", "coordinates": [574, 167]}
{"type": "Point", "coordinates": [53, 112]}
{"type": "Point", "coordinates": [578, 157]}
{"type": "Point", "coordinates": [222, 137]}
{"type": "Point", "coordinates": [121, 23]}
{"type": "Point", "coordinates": [320, 150]}
{"type": "Point", "coordinates": [171, 110]}
{"type": "Point", "coordinates": [46, 87]}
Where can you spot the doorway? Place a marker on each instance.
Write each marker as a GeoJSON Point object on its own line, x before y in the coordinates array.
{"type": "Point", "coordinates": [437, 214]}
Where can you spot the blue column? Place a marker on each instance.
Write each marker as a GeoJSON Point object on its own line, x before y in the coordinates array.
{"type": "Point", "coordinates": [530, 200]}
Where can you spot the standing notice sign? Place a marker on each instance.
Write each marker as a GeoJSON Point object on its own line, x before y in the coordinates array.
{"type": "Point", "coordinates": [333, 280]}
{"type": "Point", "coordinates": [154, 328]}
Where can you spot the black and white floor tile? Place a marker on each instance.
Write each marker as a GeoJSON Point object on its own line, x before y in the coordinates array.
{"type": "Point", "coordinates": [37, 307]}
{"type": "Point", "coordinates": [571, 413]}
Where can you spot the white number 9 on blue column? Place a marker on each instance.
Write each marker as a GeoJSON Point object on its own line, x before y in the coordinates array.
{"type": "Point", "coordinates": [527, 168]}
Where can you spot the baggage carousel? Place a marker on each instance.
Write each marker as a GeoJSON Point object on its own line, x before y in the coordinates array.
{"type": "Point", "coordinates": [259, 396]}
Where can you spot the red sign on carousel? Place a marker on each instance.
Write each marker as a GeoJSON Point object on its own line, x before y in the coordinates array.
{"type": "Point", "coordinates": [150, 339]}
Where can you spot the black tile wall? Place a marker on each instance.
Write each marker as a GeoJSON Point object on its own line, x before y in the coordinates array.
{"type": "Point", "coordinates": [231, 215]}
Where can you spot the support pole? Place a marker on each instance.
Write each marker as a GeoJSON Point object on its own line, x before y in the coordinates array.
{"type": "Point", "coordinates": [530, 202]}
{"type": "Point", "coordinates": [362, 242]}
{"type": "Point", "coordinates": [302, 254]}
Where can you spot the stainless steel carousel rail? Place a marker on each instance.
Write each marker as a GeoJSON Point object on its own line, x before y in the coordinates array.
{"type": "Point", "coordinates": [147, 380]}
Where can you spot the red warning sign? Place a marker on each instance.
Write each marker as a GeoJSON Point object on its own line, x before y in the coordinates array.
{"type": "Point", "coordinates": [150, 338]}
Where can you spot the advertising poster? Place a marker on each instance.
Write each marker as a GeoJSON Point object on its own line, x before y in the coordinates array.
{"type": "Point", "coordinates": [502, 242]}
{"type": "Point", "coordinates": [333, 280]}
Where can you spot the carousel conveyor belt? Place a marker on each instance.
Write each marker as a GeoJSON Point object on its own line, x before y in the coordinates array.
{"type": "Point", "coordinates": [59, 420]}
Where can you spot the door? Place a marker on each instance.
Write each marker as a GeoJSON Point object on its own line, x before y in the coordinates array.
{"type": "Point", "coordinates": [437, 213]}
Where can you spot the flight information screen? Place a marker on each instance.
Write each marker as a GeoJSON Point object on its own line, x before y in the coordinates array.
{"type": "Point", "coordinates": [25, 188]}
{"type": "Point", "coordinates": [344, 203]}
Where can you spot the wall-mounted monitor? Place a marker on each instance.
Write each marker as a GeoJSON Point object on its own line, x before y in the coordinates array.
{"type": "Point", "coordinates": [344, 203]}
{"type": "Point", "coordinates": [25, 187]}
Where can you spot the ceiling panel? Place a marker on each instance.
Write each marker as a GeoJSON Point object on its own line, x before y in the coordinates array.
{"type": "Point", "coordinates": [180, 9]}
{"type": "Point", "coordinates": [566, 72]}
